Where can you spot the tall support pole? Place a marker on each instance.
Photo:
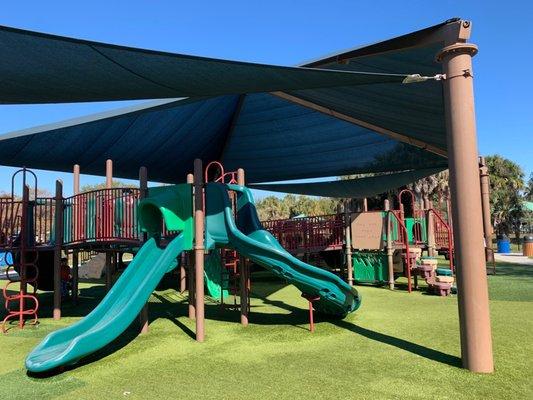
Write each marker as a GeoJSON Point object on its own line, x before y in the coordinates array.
{"type": "Point", "coordinates": [348, 240]}
{"type": "Point", "coordinates": [245, 270]}
{"type": "Point", "coordinates": [186, 259]}
{"type": "Point", "coordinates": [199, 248]}
{"type": "Point", "coordinates": [143, 186]}
{"type": "Point", "coordinates": [485, 205]}
{"type": "Point", "coordinates": [109, 174]}
{"type": "Point", "coordinates": [474, 318]}
{"type": "Point", "coordinates": [390, 249]}
{"type": "Point", "coordinates": [75, 219]}
{"type": "Point", "coordinates": [108, 271]}
{"type": "Point", "coordinates": [76, 183]}
{"type": "Point", "coordinates": [57, 248]}
{"type": "Point", "coordinates": [365, 204]}
{"type": "Point", "coordinates": [190, 267]}
{"type": "Point", "coordinates": [430, 229]}
{"type": "Point", "coordinates": [75, 276]}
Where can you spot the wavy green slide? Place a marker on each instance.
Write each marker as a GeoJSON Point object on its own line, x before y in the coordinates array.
{"type": "Point", "coordinates": [115, 312]}
{"type": "Point", "coordinates": [337, 298]}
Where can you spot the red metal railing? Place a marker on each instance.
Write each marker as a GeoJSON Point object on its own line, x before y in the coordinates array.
{"type": "Point", "coordinates": [403, 239]}
{"type": "Point", "coordinates": [44, 210]}
{"type": "Point", "coordinates": [102, 215]}
{"type": "Point", "coordinates": [309, 234]}
{"type": "Point", "coordinates": [223, 177]}
{"type": "Point", "coordinates": [10, 220]}
{"type": "Point", "coordinates": [443, 235]}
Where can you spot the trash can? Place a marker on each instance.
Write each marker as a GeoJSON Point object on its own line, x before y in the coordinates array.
{"type": "Point", "coordinates": [527, 248]}
{"type": "Point", "coordinates": [504, 244]}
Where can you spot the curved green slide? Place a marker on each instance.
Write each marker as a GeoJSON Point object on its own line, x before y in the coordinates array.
{"type": "Point", "coordinates": [115, 312]}
{"type": "Point", "coordinates": [337, 298]}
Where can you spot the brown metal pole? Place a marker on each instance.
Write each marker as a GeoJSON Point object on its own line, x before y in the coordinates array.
{"type": "Point", "coordinates": [348, 239]}
{"type": "Point", "coordinates": [143, 187]}
{"type": "Point", "coordinates": [75, 276]}
{"type": "Point", "coordinates": [76, 209]}
{"type": "Point", "coordinates": [390, 249]}
{"type": "Point", "coordinates": [430, 228]}
{"type": "Point", "coordinates": [474, 318]}
{"type": "Point", "coordinates": [245, 270]}
{"type": "Point", "coordinates": [76, 184]}
{"type": "Point", "coordinates": [57, 249]}
{"type": "Point", "coordinates": [190, 263]}
{"type": "Point", "coordinates": [199, 248]}
{"type": "Point", "coordinates": [485, 205]}
{"type": "Point", "coordinates": [108, 273]}
{"type": "Point", "coordinates": [109, 174]}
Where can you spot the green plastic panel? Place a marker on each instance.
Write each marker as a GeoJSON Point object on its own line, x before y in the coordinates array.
{"type": "Point", "coordinates": [370, 266]}
{"type": "Point", "coordinates": [171, 205]}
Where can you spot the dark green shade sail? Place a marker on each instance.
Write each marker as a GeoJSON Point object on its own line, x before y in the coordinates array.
{"type": "Point", "coordinates": [344, 114]}
{"type": "Point", "coordinates": [351, 188]}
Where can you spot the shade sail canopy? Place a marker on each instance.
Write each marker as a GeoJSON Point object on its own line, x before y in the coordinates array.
{"type": "Point", "coordinates": [351, 188]}
{"type": "Point", "coordinates": [41, 68]}
{"type": "Point", "coordinates": [348, 113]}
{"type": "Point", "coordinates": [271, 138]}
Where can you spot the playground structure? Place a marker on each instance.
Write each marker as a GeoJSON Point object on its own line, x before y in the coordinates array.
{"type": "Point", "coordinates": [107, 220]}
{"type": "Point", "coordinates": [373, 246]}
{"type": "Point", "coordinates": [249, 117]}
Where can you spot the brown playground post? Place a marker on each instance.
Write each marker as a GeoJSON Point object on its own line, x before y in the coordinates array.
{"type": "Point", "coordinates": [245, 270]}
{"type": "Point", "coordinates": [190, 263]}
{"type": "Point", "coordinates": [108, 271]}
{"type": "Point", "coordinates": [57, 248]}
{"type": "Point", "coordinates": [390, 249]}
{"type": "Point", "coordinates": [75, 254]}
{"type": "Point", "coordinates": [185, 259]}
{"type": "Point", "coordinates": [474, 318]}
{"type": "Point", "coordinates": [75, 276]}
{"type": "Point", "coordinates": [199, 248]}
{"type": "Point", "coordinates": [76, 183]}
{"type": "Point", "coordinates": [109, 174]}
{"type": "Point", "coordinates": [348, 240]}
{"type": "Point", "coordinates": [143, 186]}
{"type": "Point", "coordinates": [485, 205]}
{"type": "Point", "coordinates": [430, 227]}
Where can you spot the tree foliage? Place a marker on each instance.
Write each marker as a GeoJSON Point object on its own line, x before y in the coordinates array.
{"type": "Point", "coordinates": [434, 187]}
{"type": "Point", "coordinates": [114, 183]}
{"type": "Point", "coordinates": [529, 189]}
{"type": "Point", "coordinates": [289, 206]}
{"type": "Point", "coordinates": [506, 185]}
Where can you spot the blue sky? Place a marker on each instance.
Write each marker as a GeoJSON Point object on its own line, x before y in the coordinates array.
{"type": "Point", "coordinates": [288, 33]}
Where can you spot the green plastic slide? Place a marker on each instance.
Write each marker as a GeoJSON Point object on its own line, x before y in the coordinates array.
{"type": "Point", "coordinates": [113, 315]}
{"type": "Point", "coordinates": [213, 271]}
{"type": "Point", "coordinates": [337, 298]}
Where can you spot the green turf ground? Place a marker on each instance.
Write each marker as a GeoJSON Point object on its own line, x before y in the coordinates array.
{"type": "Point", "coordinates": [396, 346]}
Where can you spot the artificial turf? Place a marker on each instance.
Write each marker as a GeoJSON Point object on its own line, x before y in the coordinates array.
{"type": "Point", "coordinates": [397, 345]}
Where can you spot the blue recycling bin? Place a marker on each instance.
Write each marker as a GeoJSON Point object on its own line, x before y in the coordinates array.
{"type": "Point", "coordinates": [504, 244]}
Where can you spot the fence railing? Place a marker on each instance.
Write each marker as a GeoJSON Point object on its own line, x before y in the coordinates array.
{"type": "Point", "coordinates": [309, 234]}
{"type": "Point", "coordinates": [101, 215]}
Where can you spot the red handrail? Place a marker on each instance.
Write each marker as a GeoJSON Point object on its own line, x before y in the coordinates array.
{"type": "Point", "coordinates": [405, 243]}
{"type": "Point", "coordinates": [223, 175]}
{"type": "Point", "coordinates": [450, 237]}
